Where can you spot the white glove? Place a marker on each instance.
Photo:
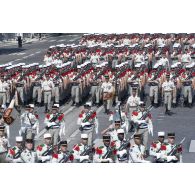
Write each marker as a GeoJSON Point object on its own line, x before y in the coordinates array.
{"type": "Point", "coordinates": [18, 160]}
{"type": "Point", "coordinates": [121, 153]}
{"type": "Point", "coordinates": [22, 130]}
{"type": "Point", "coordinates": [51, 124]}
{"type": "Point", "coordinates": [159, 155]}
{"type": "Point", "coordinates": [106, 160]}
{"type": "Point", "coordinates": [84, 158]}
{"type": "Point", "coordinates": [146, 161]}
{"type": "Point", "coordinates": [34, 127]}
{"type": "Point", "coordinates": [110, 160]}
{"type": "Point", "coordinates": [45, 158]}
{"type": "Point", "coordinates": [141, 121]}
{"type": "Point", "coordinates": [87, 123]}
{"type": "Point", "coordinates": [170, 158]}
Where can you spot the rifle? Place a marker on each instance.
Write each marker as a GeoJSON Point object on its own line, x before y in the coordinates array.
{"type": "Point", "coordinates": [49, 151]}
{"type": "Point", "coordinates": [53, 120]}
{"type": "Point", "coordinates": [119, 110]}
{"type": "Point", "coordinates": [17, 155]}
{"type": "Point", "coordinates": [189, 75]}
{"type": "Point", "coordinates": [100, 73]}
{"type": "Point", "coordinates": [157, 73]}
{"type": "Point", "coordinates": [135, 76]}
{"type": "Point", "coordinates": [124, 145]}
{"type": "Point", "coordinates": [122, 70]}
{"type": "Point", "coordinates": [65, 157]}
{"type": "Point", "coordinates": [87, 67]}
{"type": "Point", "coordinates": [108, 153]}
{"type": "Point", "coordinates": [90, 115]}
{"type": "Point", "coordinates": [86, 151]}
{"type": "Point", "coordinates": [177, 73]}
{"type": "Point", "coordinates": [40, 76]}
{"type": "Point", "coordinates": [144, 116]}
{"type": "Point", "coordinates": [174, 149]}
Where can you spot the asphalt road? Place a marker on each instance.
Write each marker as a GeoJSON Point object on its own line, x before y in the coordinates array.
{"type": "Point", "coordinates": [181, 122]}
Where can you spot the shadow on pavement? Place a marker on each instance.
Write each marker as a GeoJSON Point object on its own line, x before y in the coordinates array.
{"type": "Point", "coordinates": [4, 51]}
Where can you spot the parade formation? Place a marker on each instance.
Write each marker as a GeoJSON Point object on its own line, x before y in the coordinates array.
{"type": "Point", "coordinates": [109, 70]}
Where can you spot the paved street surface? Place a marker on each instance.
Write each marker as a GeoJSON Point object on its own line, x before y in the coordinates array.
{"type": "Point", "coordinates": [182, 121]}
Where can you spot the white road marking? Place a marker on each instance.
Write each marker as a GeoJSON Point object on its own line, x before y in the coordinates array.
{"type": "Point", "coordinates": [61, 40]}
{"type": "Point", "coordinates": [16, 60]}
{"type": "Point", "coordinates": [51, 41]}
{"type": "Point", "coordinates": [74, 39]}
{"type": "Point", "coordinates": [161, 116]}
{"type": "Point", "coordinates": [160, 119]}
{"type": "Point", "coordinates": [31, 55]}
{"type": "Point", "coordinates": [69, 110]}
{"type": "Point", "coordinates": [38, 52]}
{"type": "Point", "coordinates": [75, 133]}
{"type": "Point", "coordinates": [17, 54]}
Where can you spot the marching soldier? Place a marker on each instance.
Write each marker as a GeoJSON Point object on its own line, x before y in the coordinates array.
{"type": "Point", "coordinates": [121, 115]}
{"type": "Point", "coordinates": [82, 152]}
{"type": "Point", "coordinates": [14, 153]}
{"type": "Point", "coordinates": [47, 87]}
{"type": "Point", "coordinates": [137, 153]}
{"type": "Point", "coordinates": [132, 102]}
{"type": "Point", "coordinates": [176, 54]}
{"type": "Point", "coordinates": [134, 80]}
{"type": "Point", "coordinates": [107, 152]}
{"type": "Point", "coordinates": [56, 90]}
{"type": "Point", "coordinates": [112, 129]}
{"type": "Point", "coordinates": [36, 83]}
{"type": "Point", "coordinates": [29, 122]}
{"type": "Point", "coordinates": [188, 83]}
{"type": "Point", "coordinates": [4, 143]}
{"type": "Point", "coordinates": [185, 58]}
{"type": "Point", "coordinates": [87, 118]}
{"type": "Point", "coordinates": [142, 122]}
{"type": "Point", "coordinates": [107, 90]}
{"type": "Point", "coordinates": [154, 84]}
{"type": "Point", "coordinates": [122, 147]}
{"type": "Point", "coordinates": [139, 57]}
{"type": "Point", "coordinates": [2, 122]}
{"type": "Point", "coordinates": [171, 153]}
{"type": "Point", "coordinates": [175, 77]}
{"type": "Point", "coordinates": [95, 88]}
{"type": "Point", "coordinates": [4, 87]}
{"type": "Point", "coordinates": [155, 148]}
{"type": "Point", "coordinates": [45, 150]}
{"type": "Point", "coordinates": [29, 155]}
{"type": "Point", "coordinates": [55, 123]}
{"type": "Point", "coordinates": [94, 58]}
{"type": "Point", "coordinates": [63, 156]}
{"type": "Point", "coordinates": [20, 84]}
{"type": "Point", "coordinates": [76, 89]}
{"type": "Point", "coordinates": [167, 89]}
